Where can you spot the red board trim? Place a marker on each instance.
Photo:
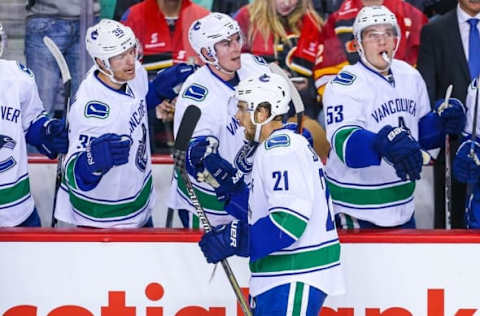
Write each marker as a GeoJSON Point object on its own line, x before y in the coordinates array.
{"type": "Point", "coordinates": [181, 235]}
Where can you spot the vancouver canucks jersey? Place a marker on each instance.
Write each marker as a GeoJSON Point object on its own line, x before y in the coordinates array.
{"type": "Point", "coordinates": [288, 185]}
{"type": "Point", "coordinates": [470, 104]}
{"type": "Point", "coordinates": [20, 105]}
{"type": "Point", "coordinates": [359, 98]}
{"type": "Point", "coordinates": [215, 98]}
{"type": "Point", "coordinates": [125, 195]}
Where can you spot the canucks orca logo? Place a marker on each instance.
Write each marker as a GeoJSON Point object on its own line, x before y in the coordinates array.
{"type": "Point", "coordinates": [196, 26]}
{"type": "Point", "coordinates": [260, 60]}
{"type": "Point", "coordinates": [195, 92]}
{"type": "Point", "coordinates": [25, 69]}
{"type": "Point", "coordinates": [97, 109]}
{"type": "Point", "coordinates": [7, 142]}
{"type": "Point", "coordinates": [277, 141]}
{"type": "Point", "coordinates": [94, 35]}
{"type": "Point", "coordinates": [264, 78]}
{"type": "Point", "coordinates": [345, 78]}
{"type": "Point", "coordinates": [141, 158]}
{"type": "Point", "coordinates": [243, 159]}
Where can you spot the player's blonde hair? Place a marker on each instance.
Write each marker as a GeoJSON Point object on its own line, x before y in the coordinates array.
{"type": "Point", "coordinates": [265, 19]}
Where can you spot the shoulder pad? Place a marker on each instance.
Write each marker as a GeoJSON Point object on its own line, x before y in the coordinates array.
{"type": "Point", "coordinates": [25, 69]}
{"type": "Point", "coordinates": [97, 109]}
{"type": "Point", "coordinates": [281, 140]}
{"type": "Point", "coordinates": [195, 92]}
{"type": "Point", "coordinates": [344, 78]}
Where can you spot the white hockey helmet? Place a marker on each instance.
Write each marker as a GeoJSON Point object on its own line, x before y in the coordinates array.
{"type": "Point", "coordinates": [374, 15]}
{"type": "Point", "coordinates": [106, 39]}
{"type": "Point", "coordinates": [209, 30]}
{"type": "Point", "coordinates": [269, 89]}
{"type": "Point", "coordinates": [3, 40]}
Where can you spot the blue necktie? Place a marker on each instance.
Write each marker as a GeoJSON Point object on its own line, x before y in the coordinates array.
{"type": "Point", "coordinates": [474, 48]}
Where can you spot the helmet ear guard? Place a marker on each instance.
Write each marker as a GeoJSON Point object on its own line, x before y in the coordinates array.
{"type": "Point", "coordinates": [267, 89]}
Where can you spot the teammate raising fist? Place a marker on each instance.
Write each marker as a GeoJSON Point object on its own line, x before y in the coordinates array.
{"type": "Point", "coordinates": [22, 121]}
{"type": "Point", "coordinates": [378, 119]}
{"type": "Point", "coordinates": [108, 176]}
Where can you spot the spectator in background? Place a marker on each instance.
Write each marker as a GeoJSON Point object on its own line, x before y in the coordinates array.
{"type": "Point", "coordinates": [447, 56]}
{"type": "Point", "coordinates": [228, 6]}
{"type": "Point", "coordinates": [337, 49]}
{"type": "Point", "coordinates": [59, 20]}
{"type": "Point", "coordinates": [121, 6]}
{"type": "Point", "coordinates": [286, 32]}
{"type": "Point", "coordinates": [434, 7]}
{"type": "Point", "coordinates": [162, 26]}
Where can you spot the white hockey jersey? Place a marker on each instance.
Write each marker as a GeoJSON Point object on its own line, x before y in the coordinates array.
{"type": "Point", "coordinates": [125, 196]}
{"type": "Point", "coordinates": [470, 104]}
{"type": "Point", "coordinates": [20, 105]}
{"type": "Point", "coordinates": [215, 98]}
{"type": "Point", "coordinates": [360, 98]}
{"type": "Point", "coordinates": [288, 184]}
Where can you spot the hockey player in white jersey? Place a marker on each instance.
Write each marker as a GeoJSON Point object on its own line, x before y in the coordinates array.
{"type": "Point", "coordinates": [108, 176]}
{"type": "Point", "coordinates": [22, 120]}
{"type": "Point", "coordinates": [466, 165]}
{"type": "Point", "coordinates": [378, 118]}
{"type": "Point", "coordinates": [217, 40]}
{"type": "Point", "coordinates": [290, 235]}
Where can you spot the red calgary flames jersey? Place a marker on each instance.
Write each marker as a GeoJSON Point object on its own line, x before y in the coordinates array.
{"type": "Point", "coordinates": [298, 54]}
{"type": "Point", "coordinates": [161, 46]}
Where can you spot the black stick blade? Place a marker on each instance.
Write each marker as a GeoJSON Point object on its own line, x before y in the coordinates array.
{"type": "Point", "coordinates": [187, 126]}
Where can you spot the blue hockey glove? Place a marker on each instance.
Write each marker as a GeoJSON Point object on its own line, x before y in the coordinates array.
{"type": "Point", "coordinates": [465, 167]}
{"type": "Point", "coordinates": [452, 115]}
{"type": "Point", "coordinates": [105, 152]}
{"type": "Point", "coordinates": [167, 81]}
{"type": "Point", "coordinates": [49, 136]}
{"type": "Point", "coordinates": [197, 150]}
{"type": "Point", "coordinates": [225, 241]}
{"type": "Point", "coordinates": [305, 132]}
{"type": "Point", "coordinates": [229, 179]}
{"type": "Point", "coordinates": [399, 148]}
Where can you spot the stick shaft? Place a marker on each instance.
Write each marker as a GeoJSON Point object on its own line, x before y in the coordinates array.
{"type": "Point", "coordinates": [67, 85]}
{"type": "Point", "coordinates": [208, 227]}
{"type": "Point", "coordinates": [448, 171]}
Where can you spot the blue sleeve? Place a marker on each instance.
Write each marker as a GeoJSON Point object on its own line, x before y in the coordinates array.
{"type": "Point", "coordinates": [85, 180]}
{"type": "Point", "coordinates": [265, 238]}
{"type": "Point", "coordinates": [359, 151]}
{"type": "Point", "coordinates": [431, 132]}
{"type": "Point", "coordinates": [152, 98]}
{"type": "Point", "coordinates": [238, 205]}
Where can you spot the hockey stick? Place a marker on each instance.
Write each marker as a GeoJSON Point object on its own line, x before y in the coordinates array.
{"type": "Point", "coordinates": [185, 131]}
{"type": "Point", "coordinates": [474, 128]}
{"type": "Point", "coordinates": [67, 86]}
{"type": "Point", "coordinates": [448, 167]}
{"type": "Point", "coordinates": [296, 98]}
